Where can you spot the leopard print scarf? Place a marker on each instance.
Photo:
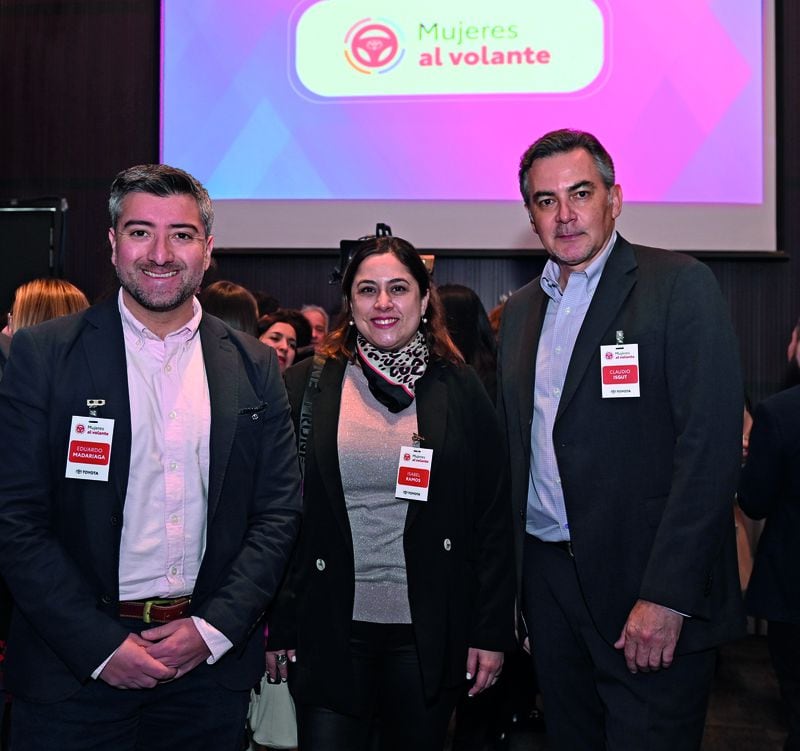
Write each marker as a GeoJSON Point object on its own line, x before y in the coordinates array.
{"type": "Point", "coordinates": [392, 376]}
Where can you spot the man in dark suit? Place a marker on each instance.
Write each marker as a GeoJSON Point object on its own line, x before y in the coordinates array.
{"type": "Point", "coordinates": [620, 391]}
{"type": "Point", "coordinates": [770, 489]}
{"type": "Point", "coordinates": [149, 498]}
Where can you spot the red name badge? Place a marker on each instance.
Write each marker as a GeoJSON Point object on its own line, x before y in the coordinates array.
{"type": "Point", "coordinates": [619, 370]}
{"type": "Point", "coordinates": [89, 448]}
{"type": "Point", "coordinates": [411, 476]}
{"type": "Point", "coordinates": [621, 374]}
{"type": "Point", "coordinates": [413, 473]}
{"type": "Point", "coordinates": [89, 453]}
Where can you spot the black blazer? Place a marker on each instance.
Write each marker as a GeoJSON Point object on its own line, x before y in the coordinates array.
{"type": "Point", "coordinates": [649, 482]}
{"type": "Point", "coordinates": [457, 544]}
{"type": "Point", "coordinates": [59, 538]}
{"type": "Point", "coordinates": [770, 488]}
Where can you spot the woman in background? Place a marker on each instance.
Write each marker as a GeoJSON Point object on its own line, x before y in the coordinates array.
{"type": "Point", "coordinates": [43, 299]}
{"type": "Point", "coordinates": [472, 333]}
{"type": "Point", "coordinates": [232, 303]}
{"type": "Point", "coordinates": [285, 331]}
{"type": "Point", "coordinates": [397, 589]}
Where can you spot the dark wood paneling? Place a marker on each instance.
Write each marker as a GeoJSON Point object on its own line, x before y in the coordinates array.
{"type": "Point", "coordinates": [79, 103]}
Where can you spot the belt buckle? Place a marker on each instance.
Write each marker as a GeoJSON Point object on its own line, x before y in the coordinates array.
{"type": "Point", "coordinates": [148, 606]}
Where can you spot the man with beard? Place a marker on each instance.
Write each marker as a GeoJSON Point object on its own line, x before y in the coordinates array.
{"type": "Point", "coordinates": [620, 391]}
{"type": "Point", "coordinates": [149, 498]}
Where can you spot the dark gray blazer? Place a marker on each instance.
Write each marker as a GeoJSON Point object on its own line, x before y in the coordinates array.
{"type": "Point", "coordinates": [770, 489]}
{"type": "Point", "coordinates": [59, 538]}
{"type": "Point", "coordinates": [649, 482]}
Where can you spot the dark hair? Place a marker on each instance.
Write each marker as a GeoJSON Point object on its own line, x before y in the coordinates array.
{"type": "Point", "coordinates": [233, 304]}
{"type": "Point", "coordinates": [159, 180]}
{"type": "Point", "coordinates": [341, 340]}
{"type": "Point", "coordinates": [266, 303]}
{"type": "Point", "coordinates": [561, 142]}
{"type": "Point", "coordinates": [294, 318]}
{"type": "Point", "coordinates": [470, 329]}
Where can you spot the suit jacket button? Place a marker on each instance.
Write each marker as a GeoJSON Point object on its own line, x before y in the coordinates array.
{"type": "Point", "coordinates": [106, 599]}
{"type": "Point", "coordinates": [320, 564]}
{"type": "Point", "coordinates": [114, 520]}
{"type": "Point", "coordinates": [447, 544]}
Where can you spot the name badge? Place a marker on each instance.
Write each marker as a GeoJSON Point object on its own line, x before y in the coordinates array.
{"type": "Point", "coordinates": [413, 473]}
{"type": "Point", "coordinates": [619, 370]}
{"type": "Point", "coordinates": [89, 451]}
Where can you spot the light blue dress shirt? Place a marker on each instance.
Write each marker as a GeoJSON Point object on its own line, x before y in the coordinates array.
{"type": "Point", "coordinates": [547, 513]}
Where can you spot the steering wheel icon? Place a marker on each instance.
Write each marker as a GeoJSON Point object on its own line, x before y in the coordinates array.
{"type": "Point", "coordinates": [374, 45]}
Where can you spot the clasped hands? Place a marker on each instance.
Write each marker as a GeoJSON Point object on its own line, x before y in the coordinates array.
{"type": "Point", "coordinates": [157, 655]}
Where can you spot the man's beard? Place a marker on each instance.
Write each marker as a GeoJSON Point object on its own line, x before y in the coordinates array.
{"type": "Point", "coordinates": [160, 303]}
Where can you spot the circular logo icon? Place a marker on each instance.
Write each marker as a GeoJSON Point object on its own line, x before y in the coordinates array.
{"type": "Point", "coordinates": [80, 428]}
{"type": "Point", "coordinates": [406, 457]}
{"type": "Point", "coordinates": [373, 46]}
{"type": "Point", "coordinates": [609, 355]}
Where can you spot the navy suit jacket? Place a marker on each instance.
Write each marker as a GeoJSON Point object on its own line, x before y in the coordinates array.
{"type": "Point", "coordinates": [60, 538]}
{"type": "Point", "coordinates": [770, 488]}
{"type": "Point", "coordinates": [649, 482]}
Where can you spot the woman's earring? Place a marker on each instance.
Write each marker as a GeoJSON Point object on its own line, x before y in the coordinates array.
{"type": "Point", "coordinates": [424, 319]}
{"type": "Point", "coordinates": [350, 322]}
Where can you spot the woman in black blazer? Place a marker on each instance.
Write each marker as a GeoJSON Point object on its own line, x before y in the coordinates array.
{"type": "Point", "coordinates": [394, 604]}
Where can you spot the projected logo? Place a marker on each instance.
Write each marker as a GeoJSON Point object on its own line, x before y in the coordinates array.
{"type": "Point", "coordinates": [373, 46]}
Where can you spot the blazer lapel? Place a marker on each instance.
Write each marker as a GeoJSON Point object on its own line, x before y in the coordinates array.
{"type": "Point", "coordinates": [222, 369]}
{"type": "Point", "coordinates": [325, 408]}
{"type": "Point", "coordinates": [525, 354]}
{"type": "Point", "coordinates": [616, 282]}
{"type": "Point", "coordinates": [104, 350]}
{"type": "Point", "coordinates": [431, 398]}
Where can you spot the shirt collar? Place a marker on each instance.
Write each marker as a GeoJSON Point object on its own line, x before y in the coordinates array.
{"type": "Point", "coordinates": [551, 271]}
{"type": "Point", "coordinates": [132, 325]}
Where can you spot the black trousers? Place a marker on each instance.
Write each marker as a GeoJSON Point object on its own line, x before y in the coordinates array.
{"type": "Point", "coordinates": [193, 712]}
{"type": "Point", "coordinates": [591, 700]}
{"type": "Point", "coordinates": [393, 714]}
{"type": "Point", "coordinates": [784, 649]}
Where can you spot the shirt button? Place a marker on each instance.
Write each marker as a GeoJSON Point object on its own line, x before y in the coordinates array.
{"type": "Point", "coordinates": [173, 415]}
{"type": "Point", "coordinates": [558, 350]}
{"type": "Point", "coordinates": [174, 519]}
{"type": "Point", "coordinates": [447, 544]}
{"type": "Point", "coordinates": [168, 368]}
{"type": "Point", "coordinates": [173, 570]}
{"type": "Point", "coordinates": [173, 465]}
{"type": "Point", "coordinates": [568, 310]}
{"type": "Point", "coordinates": [556, 391]}
{"type": "Point", "coordinates": [320, 564]}
{"type": "Point", "coordinates": [558, 481]}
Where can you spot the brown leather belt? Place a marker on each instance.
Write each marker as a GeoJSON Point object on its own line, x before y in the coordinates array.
{"type": "Point", "coordinates": [155, 611]}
